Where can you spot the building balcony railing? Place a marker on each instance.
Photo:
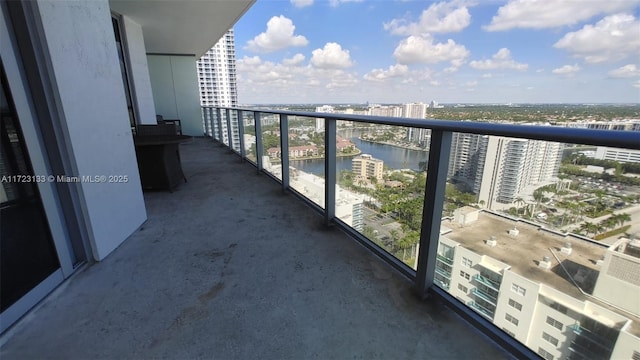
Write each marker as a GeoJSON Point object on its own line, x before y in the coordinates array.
{"type": "Point", "coordinates": [443, 272]}
{"type": "Point", "coordinates": [484, 296]}
{"type": "Point", "coordinates": [485, 281]}
{"type": "Point", "coordinates": [250, 132]}
{"type": "Point", "coordinates": [445, 260]}
{"type": "Point", "coordinates": [481, 309]}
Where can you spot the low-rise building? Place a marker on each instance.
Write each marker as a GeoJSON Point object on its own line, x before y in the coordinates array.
{"type": "Point", "coordinates": [546, 289]}
{"type": "Point", "coordinates": [367, 167]}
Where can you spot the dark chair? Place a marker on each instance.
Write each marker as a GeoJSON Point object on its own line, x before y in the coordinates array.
{"type": "Point", "coordinates": [158, 154]}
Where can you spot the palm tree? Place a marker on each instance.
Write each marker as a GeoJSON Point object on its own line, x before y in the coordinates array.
{"type": "Point", "coordinates": [519, 202]}
{"type": "Point", "coordinates": [589, 228]}
{"type": "Point", "coordinates": [622, 218]}
{"type": "Point", "coordinates": [608, 223]}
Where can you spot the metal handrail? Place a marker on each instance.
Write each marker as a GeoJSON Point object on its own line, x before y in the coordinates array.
{"type": "Point", "coordinates": [611, 138]}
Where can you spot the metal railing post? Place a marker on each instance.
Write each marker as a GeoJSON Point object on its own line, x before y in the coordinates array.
{"type": "Point", "coordinates": [258, 123]}
{"type": "Point", "coordinates": [434, 195]}
{"type": "Point", "coordinates": [229, 132]}
{"type": "Point", "coordinates": [243, 152]}
{"type": "Point", "coordinates": [203, 111]}
{"type": "Point", "coordinates": [284, 150]}
{"type": "Point", "coordinates": [330, 154]}
{"type": "Point", "coordinates": [219, 122]}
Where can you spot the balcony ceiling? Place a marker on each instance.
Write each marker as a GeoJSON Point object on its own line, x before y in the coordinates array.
{"type": "Point", "coordinates": [182, 26]}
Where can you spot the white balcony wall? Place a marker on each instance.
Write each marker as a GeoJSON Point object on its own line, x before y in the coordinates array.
{"type": "Point", "coordinates": [175, 90]}
{"type": "Point", "coordinates": [91, 101]}
{"type": "Point", "coordinates": [143, 95]}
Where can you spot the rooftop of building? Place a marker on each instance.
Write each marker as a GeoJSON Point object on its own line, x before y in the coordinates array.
{"type": "Point", "coordinates": [524, 252]}
{"type": "Point", "coordinates": [229, 266]}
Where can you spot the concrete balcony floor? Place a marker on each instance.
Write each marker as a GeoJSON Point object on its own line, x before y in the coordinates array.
{"type": "Point", "coordinates": [230, 267]}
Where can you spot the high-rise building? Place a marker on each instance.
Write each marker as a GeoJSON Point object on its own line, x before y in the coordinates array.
{"type": "Point", "coordinates": [500, 169]}
{"type": "Point", "coordinates": [217, 80]}
{"type": "Point", "coordinates": [328, 109]}
{"type": "Point", "coordinates": [414, 110]}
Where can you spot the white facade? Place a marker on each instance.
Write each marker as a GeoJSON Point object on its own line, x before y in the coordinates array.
{"type": "Point", "coordinates": [499, 169]}
{"type": "Point", "coordinates": [367, 167]}
{"type": "Point", "coordinates": [328, 109]}
{"type": "Point", "coordinates": [615, 154]}
{"type": "Point", "coordinates": [620, 275]}
{"type": "Point", "coordinates": [217, 80]}
{"type": "Point", "coordinates": [547, 320]}
{"type": "Point", "coordinates": [89, 82]}
{"type": "Point", "coordinates": [414, 110]}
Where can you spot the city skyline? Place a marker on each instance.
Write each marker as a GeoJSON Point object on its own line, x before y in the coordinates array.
{"type": "Point", "coordinates": [306, 51]}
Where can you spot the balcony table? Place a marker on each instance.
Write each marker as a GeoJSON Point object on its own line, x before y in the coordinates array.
{"type": "Point", "coordinates": [159, 161]}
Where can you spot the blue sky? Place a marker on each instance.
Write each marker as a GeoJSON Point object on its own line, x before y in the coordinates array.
{"type": "Point", "coordinates": [393, 51]}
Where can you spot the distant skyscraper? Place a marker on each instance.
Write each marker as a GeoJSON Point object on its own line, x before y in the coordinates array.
{"type": "Point", "coordinates": [217, 79]}
{"type": "Point", "coordinates": [320, 121]}
{"type": "Point", "coordinates": [500, 169]}
{"type": "Point", "coordinates": [414, 110]}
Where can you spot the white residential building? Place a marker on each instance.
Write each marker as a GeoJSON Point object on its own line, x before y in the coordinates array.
{"type": "Point", "coordinates": [500, 169]}
{"type": "Point", "coordinates": [366, 166]}
{"type": "Point", "coordinates": [526, 282]}
{"type": "Point", "coordinates": [217, 80]}
{"type": "Point", "coordinates": [615, 154]}
{"type": "Point", "coordinates": [328, 109]}
{"type": "Point", "coordinates": [414, 110]}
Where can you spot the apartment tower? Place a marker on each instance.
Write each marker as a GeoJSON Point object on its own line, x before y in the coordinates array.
{"type": "Point", "coordinates": [217, 80]}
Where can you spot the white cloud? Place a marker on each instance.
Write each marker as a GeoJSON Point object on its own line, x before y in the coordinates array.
{"type": "Point", "coordinates": [279, 35]}
{"type": "Point", "coordinates": [636, 84]}
{"type": "Point", "coordinates": [335, 3]}
{"type": "Point", "coordinates": [438, 18]}
{"type": "Point", "coordinates": [253, 71]}
{"type": "Point", "coordinates": [394, 71]}
{"type": "Point", "coordinates": [540, 14]}
{"type": "Point", "coordinates": [419, 49]}
{"type": "Point", "coordinates": [332, 56]}
{"type": "Point", "coordinates": [297, 59]}
{"type": "Point", "coordinates": [613, 38]}
{"type": "Point", "coordinates": [341, 79]}
{"type": "Point", "coordinates": [627, 71]}
{"type": "Point", "coordinates": [567, 70]}
{"type": "Point", "coordinates": [302, 3]}
{"type": "Point", "coordinates": [500, 60]}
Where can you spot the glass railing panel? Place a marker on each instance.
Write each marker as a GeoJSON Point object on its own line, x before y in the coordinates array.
{"type": "Point", "coordinates": [542, 236]}
{"type": "Point", "coordinates": [381, 177]}
{"type": "Point", "coordinates": [249, 122]}
{"type": "Point", "coordinates": [207, 120]}
{"type": "Point", "coordinates": [306, 157]}
{"type": "Point", "coordinates": [215, 124]}
{"type": "Point", "coordinates": [235, 131]}
{"type": "Point", "coordinates": [225, 132]}
{"type": "Point", "coordinates": [271, 151]}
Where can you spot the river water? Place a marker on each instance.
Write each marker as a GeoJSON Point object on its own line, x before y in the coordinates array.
{"type": "Point", "coordinates": [394, 157]}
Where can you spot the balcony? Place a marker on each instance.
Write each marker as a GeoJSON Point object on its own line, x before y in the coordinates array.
{"type": "Point", "coordinates": [485, 281]}
{"type": "Point", "coordinates": [263, 138]}
{"type": "Point", "coordinates": [481, 310]}
{"type": "Point", "coordinates": [229, 266]}
{"type": "Point", "coordinates": [445, 260]}
{"type": "Point", "coordinates": [484, 296]}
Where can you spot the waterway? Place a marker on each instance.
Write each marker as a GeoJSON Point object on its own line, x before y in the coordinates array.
{"type": "Point", "coordinates": [394, 157]}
